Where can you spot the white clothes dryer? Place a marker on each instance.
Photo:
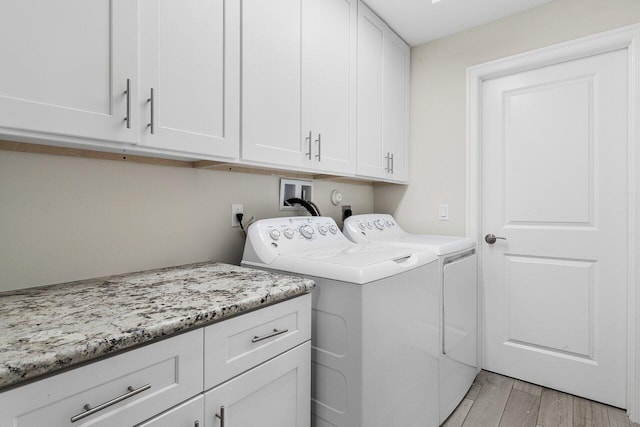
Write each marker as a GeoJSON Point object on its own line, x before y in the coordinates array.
{"type": "Point", "coordinates": [458, 325]}
{"type": "Point", "coordinates": [375, 321]}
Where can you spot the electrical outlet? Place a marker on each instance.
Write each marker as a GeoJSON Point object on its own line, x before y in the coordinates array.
{"type": "Point", "coordinates": [346, 211]}
{"type": "Point", "coordinates": [236, 209]}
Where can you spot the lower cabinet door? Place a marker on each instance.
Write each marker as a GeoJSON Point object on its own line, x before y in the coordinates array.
{"type": "Point", "coordinates": [274, 394]}
{"type": "Point", "coordinates": [188, 414]}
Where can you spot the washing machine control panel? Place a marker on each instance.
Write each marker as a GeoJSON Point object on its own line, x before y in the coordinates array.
{"type": "Point", "coordinates": [364, 228]}
{"type": "Point", "coordinates": [297, 233]}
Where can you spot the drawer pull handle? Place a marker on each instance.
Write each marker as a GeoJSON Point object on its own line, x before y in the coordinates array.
{"type": "Point", "coordinates": [271, 335]}
{"type": "Point", "coordinates": [221, 416]}
{"type": "Point", "coordinates": [90, 411]}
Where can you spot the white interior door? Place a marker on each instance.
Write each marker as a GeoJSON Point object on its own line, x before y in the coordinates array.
{"type": "Point", "coordinates": [555, 186]}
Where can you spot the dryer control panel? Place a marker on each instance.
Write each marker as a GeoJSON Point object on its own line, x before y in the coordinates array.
{"type": "Point", "coordinates": [364, 228]}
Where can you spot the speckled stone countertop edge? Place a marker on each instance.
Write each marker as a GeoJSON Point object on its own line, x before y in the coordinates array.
{"type": "Point", "coordinates": [222, 300]}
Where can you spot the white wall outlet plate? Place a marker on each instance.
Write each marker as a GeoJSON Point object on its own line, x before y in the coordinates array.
{"type": "Point", "coordinates": [236, 209]}
{"type": "Point", "coordinates": [290, 188]}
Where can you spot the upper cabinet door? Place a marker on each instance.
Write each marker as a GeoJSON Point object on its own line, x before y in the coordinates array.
{"type": "Point", "coordinates": [190, 62]}
{"type": "Point", "coordinates": [371, 38]}
{"type": "Point", "coordinates": [329, 37]}
{"type": "Point", "coordinates": [383, 99]}
{"type": "Point", "coordinates": [65, 66]}
{"type": "Point", "coordinates": [396, 106]}
{"type": "Point", "coordinates": [271, 78]}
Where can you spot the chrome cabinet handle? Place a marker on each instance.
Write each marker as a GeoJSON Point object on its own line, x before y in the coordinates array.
{"type": "Point", "coordinates": [127, 92]}
{"type": "Point", "coordinates": [90, 411]}
{"type": "Point", "coordinates": [308, 139]}
{"type": "Point", "coordinates": [491, 238]}
{"type": "Point", "coordinates": [150, 100]}
{"type": "Point", "coordinates": [271, 335]}
{"type": "Point", "coordinates": [391, 164]}
{"type": "Point", "coordinates": [388, 159]}
{"type": "Point", "coordinates": [319, 141]}
{"type": "Point", "coordinates": [221, 416]}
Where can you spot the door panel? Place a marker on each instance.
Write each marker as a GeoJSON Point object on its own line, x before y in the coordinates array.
{"type": "Point", "coordinates": [550, 134]}
{"type": "Point", "coordinates": [396, 105]}
{"type": "Point", "coordinates": [271, 79]}
{"type": "Point", "coordinates": [274, 394]}
{"type": "Point", "coordinates": [370, 94]}
{"type": "Point", "coordinates": [329, 82]}
{"type": "Point", "coordinates": [63, 84]}
{"type": "Point", "coordinates": [190, 57]}
{"type": "Point", "coordinates": [555, 185]}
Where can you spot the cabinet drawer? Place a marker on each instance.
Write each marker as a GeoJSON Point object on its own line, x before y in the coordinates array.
{"type": "Point", "coordinates": [236, 345]}
{"type": "Point", "coordinates": [130, 387]}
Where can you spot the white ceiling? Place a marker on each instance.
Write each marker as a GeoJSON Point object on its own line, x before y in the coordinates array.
{"type": "Point", "coordinates": [420, 21]}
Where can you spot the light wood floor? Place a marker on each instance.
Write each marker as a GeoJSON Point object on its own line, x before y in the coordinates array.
{"type": "Point", "coordinates": [498, 401]}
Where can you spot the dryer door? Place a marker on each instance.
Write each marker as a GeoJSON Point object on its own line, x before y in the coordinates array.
{"type": "Point", "coordinates": [458, 366]}
{"type": "Point", "coordinates": [460, 310]}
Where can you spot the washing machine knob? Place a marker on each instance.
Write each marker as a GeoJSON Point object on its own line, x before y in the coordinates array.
{"type": "Point", "coordinates": [307, 231]}
{"type": "Point", "coordinates": [362, 225]}
{"type": "Point", "coordinates": [379, 224]}
{"type": "Point", "coordinates": [288, 233]}
{"type": "Point", "coordinates": [369, 225]}
{"type": "Point", "coordinates": [333, 229]}
{"type": "Point", "coordinates": [323, 230]}
{"type": "Point", "coordinates": [389, 223]}
{"type": "Point", "coordinates": [274, 234]}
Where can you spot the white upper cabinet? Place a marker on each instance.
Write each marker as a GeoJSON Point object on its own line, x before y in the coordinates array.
{"type": "Point", "coordinates": [65, 69]}
{"type": "Point", "coordinates": [190, 76]}
{"type": "Point", "coordinates": [383, 100]}
{"type": "Point", "coordinates": [329, 41]}
{"type": "Point", "coordinates": [396, 105]}
{"type": "Point", "coordinates": [299, 86]}
{"type": "Point", "coordinates": [271, 82]}
{"type": "Point", "coordinates": [68, 65]}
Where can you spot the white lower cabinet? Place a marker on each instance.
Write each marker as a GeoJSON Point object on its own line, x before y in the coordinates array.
{"type": "Point", "coordinates": [274, 394]}
{"type": "Point", "coordinates": [256, 365]}
{"type": "Point", "coordinates": [122, 390]}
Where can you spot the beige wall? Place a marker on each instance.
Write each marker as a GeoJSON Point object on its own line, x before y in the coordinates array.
{"type": "Point", "coordinates": [438, 91]}
{"type": "Point", "coordinates": [64, 218]}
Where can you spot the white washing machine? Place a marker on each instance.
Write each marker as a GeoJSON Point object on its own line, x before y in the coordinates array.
{"type": "Point", "coordinates": [375, 321]}
{"type": "Point", "coordinates": [458, 330]}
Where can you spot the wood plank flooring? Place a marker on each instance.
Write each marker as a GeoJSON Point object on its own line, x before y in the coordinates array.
{"type": "Point", "coordinates": [498, 401]}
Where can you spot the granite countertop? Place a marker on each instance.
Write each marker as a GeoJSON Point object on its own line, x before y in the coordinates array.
{"type": "Point", "coordinates": [48, 328]}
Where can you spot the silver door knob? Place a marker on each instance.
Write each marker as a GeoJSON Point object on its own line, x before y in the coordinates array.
{"type": "Point", "coordinates": [491, 238]}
